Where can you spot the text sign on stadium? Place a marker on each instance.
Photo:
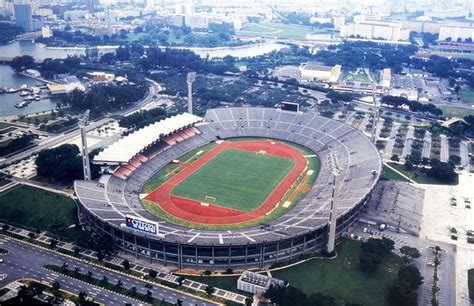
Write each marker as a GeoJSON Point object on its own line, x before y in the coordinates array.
{"type": "Point", "coordinates": [141, 225]}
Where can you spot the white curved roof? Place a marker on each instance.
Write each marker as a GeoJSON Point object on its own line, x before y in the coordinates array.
{"type": "Point", "coordinates": [127, 147]}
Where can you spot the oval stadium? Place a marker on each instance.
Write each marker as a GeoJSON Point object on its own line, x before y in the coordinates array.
{"type": "Point", "coordinates": [239, 188]}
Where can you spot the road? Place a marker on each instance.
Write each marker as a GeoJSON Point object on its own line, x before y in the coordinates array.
{"type": "Point", "coordinates": [26, 261]}
{"type": "Point", "coordinates": [153, 91]}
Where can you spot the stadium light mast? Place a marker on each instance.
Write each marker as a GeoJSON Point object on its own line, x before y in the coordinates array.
{"type": "Point", "coordinates": [86, 167]}
{"type": "Point", "coordinates": [190, 79]}
{"type": "Point", "coordinates": [376, 119]}
{"type": "Point", "coordinates": [336, 171]}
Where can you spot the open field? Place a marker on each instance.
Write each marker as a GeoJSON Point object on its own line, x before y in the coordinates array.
{"type": "Point", "coordinates": [39, 209]}
{"type": "Point", "coordinates": [467, 95]}
{"type": "Point", "coordinates": [275, 30]}
{"type": "Point", "coordinates": [456, 111]}
{"type": "Point", "coordinates": [164, 174]}
{"type": "Point", "coordinates": [418, 176]}
{"type": "Point", "coordinates": [236, 179]}
{"type": "Point", "coordinates": [341, 277]}
{"type": "Point", "coordinates": [389, 174]}
{"type": "Point", "coordinates": [294, 194]}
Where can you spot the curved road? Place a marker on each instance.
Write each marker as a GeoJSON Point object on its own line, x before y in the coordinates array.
{"type": "Point", "coordinates": [27, 261]}
{"type": "Point", "coordinates": [154, 89]}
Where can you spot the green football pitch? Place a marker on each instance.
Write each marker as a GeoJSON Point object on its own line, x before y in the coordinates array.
{"type": "Point", "coordinates": [235, 179]}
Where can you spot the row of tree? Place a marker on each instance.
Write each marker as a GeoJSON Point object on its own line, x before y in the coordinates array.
{"type": "Point", "coordinates": [414, 106]}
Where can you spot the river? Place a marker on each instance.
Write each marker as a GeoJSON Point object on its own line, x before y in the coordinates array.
{"type": "Point", "coordinates": [10, 79]}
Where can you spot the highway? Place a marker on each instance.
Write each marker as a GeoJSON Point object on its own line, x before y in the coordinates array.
{"type": "Point", "coordinates": [154, 89]}
{"type": "Point", "coordinates": [26, 261]}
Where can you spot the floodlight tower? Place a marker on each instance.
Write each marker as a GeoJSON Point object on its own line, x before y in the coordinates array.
{"type": "Point", "coordinates": [376, 116]}
{"type": "Point", "coordinates": [84, 151]}
{"type": "Point", "coordinates": [190, 79]}
{"type": "Point", "coordinates": [336, 171]}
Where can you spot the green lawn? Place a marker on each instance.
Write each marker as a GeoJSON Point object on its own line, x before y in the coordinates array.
{"type": "Point", "coordinates": [467, 95]}
{"type": "Point", "coordinates": [39, 209]}
{"type": "Point", "coordinates": [4, 125]}
{"type": "Point", "coordinates": [418, 176]}
{"type": "Point", "coordinates": [236, 179]}
{"type": "Point", "coordinates": [456, 111]}
{"type": "Point", "coordinates": [162, 176]}
{"type": "Point", "coordinates": [342, 277]}
{"type": "Point", "coordinates": [389, 174]}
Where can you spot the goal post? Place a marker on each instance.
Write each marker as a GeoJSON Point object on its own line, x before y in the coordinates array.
{"type": "Point", "coordinates": [210, 199]}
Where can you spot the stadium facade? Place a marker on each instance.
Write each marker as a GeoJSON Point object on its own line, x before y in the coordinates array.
{"type": "Point", "coordinates": [108, 206]}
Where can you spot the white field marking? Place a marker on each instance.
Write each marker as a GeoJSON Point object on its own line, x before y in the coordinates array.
{"type": "Point", "coordinates": [310, 172]}
{"type": "Point", "coordinates": [249, 238]}
{"type": "Point", "coordinates": [262, 152]}
{"type": "Point", "coordinates": [200, 152]}
{"type": "Point", "coordinates": [221, 240]}
{"type": "Point", "coordinates": [204, 204]}
{"type": "Point", "coordinates": [219, 141]}
{"type": "Point", "coordinates": [311, 155]}
{"type": "Point", "coordinates": [143, 195]}
{"type": "Point", "coordinates": [194, 237]}
{"type": "Point", "coordinates": [286, 204]}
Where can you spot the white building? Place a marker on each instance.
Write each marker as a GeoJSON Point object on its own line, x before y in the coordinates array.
{"type": "Point", "coordinates": [386, 77]}
{"type": "Point", "coordinates": [317, 72]}
{"type": "Point", "coordinates": [46, 32]}
{"type": "Point", "coordinates": [456, 31]}
{"type": "Point", "coordinates": [257, 283]}
{"type": "Point", "coordinates": [376, 30]}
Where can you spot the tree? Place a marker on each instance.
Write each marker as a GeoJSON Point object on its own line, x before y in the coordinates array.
{"type": "Point", "coordinates": [209, 290]}
{"type": "Point", "coordinates": [248, 301]}
{"type": "Point", "coordinates": [62, 163]}
{"type": "Point", "coordinates": [100, 256]}
{"type": "Point", "coordinates": [409, 252]}
{"type": "Point", "coordinates": [119, 283]}
{"type": "Point", "coordinates": [105, 279]}
{"type": "Point", "coordinates": [152, 273]}
{"type": "Point", "coordinates": [126, 264]}
{"type": "Point", "coordinates": [373, 252]}
{"type": "Point", "coordinates": [180, 280]}
{"type": "Point", "coordinates": [404, 290]}
{"type": "Point", "coordinates": [22, 62]}
{"type": "Point", "coordinates": [53, 243]}
{"type": "Point", "coordinates": [89, 274]}
{"type": "Point", "coordinates": [56, 285]}
{"type": "Point", "coordinates": [77, 271]}
{"type": "Point", "coordinates": [442, 171]}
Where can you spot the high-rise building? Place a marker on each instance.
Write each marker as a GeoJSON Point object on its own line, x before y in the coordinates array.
{"type": "Point", "coordinates": [23, 16]}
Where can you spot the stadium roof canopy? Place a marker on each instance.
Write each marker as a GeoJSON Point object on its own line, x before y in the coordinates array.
{"type": "Point", "coordinates": [129, 146]}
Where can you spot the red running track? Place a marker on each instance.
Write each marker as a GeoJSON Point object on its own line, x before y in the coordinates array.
{"type": "Point", "coordinates": [192, 210]}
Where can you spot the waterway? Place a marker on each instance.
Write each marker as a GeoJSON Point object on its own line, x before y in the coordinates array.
{"type": "Point", "coordinates": [40, 52]}
{"type": "Point", "coordinates": [8, 78]}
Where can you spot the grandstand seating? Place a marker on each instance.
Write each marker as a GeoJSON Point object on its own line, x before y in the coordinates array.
{"type": "Point", "coordinates": [355, 153]}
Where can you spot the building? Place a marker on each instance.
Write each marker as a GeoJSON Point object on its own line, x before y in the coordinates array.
{"type": "Point", "coordinates": [318, 72]}
{"type": "Point", "coordinates": [257, 283]}
{"type": "Point", "coordinates": [455, 32]}
{"type": "Point", "coordinates": [386, 77]}
{"type": "Point", "coordinates": [46, 32]}
{"type": "Point", "coordinates": [375, 29]}
{"type": "Point", "coordinates": [23, 16]}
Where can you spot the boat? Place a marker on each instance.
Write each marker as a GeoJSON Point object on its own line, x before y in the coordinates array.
{"type": "Point", "coordinates": [24, 86]}
{"type": "Point", "coordinates": [37, 98]}
{"type": "Point", "coordinates": [21, 104]}
{"type": "Point", "coordinates": [30, 98]}
{"type": "Point", "coordinates": [24, 93]}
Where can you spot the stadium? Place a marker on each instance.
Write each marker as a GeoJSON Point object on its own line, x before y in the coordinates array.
{"type": "Point", "coordinates": [239, 188]}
